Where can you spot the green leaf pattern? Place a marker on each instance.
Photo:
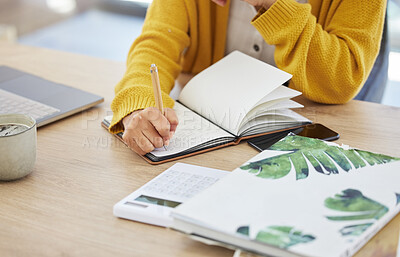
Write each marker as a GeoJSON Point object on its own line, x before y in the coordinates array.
{"type": "Point", "coordinates": [355, 206]}
{"type": "Point", "coordinates": [281, 236]}
{"type": "Point", "coordinates": [354, 230]}
{"type": "Point", "coordinates": [397, 198]}
{"type": "Point", "coordinates": [323, 157]}
{"type": "Point", "coordinates": [326, 159]}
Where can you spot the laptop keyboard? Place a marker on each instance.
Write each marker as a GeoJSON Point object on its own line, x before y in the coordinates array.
{"type": "Point", "coordinates": [12, 103]}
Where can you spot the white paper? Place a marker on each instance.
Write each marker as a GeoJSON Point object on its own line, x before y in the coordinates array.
{"type": "Point", "coordinates": [230, 88]}
{"type": "Point", "coordinates": [192, 130]}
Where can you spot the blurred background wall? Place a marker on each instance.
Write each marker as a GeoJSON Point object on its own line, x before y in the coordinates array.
{"type": "Point", "coordinates": [107, 28]}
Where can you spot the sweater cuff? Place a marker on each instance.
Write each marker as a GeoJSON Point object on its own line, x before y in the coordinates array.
{"type": "Point", "coordinates": [281, 13]}
{"type": "Point", "coordinates": [130, 100]}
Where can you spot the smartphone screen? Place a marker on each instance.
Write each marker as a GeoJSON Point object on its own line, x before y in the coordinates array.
{"type": "Point", "coordinates": [317, 130]}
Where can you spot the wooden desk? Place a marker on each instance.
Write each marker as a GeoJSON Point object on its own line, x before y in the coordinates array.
{"type": "Point", "coordinates": [64, 208]}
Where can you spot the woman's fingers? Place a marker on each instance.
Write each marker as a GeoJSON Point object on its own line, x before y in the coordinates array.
{"type": "Point", "coordinates": [153, 136]}
{"type": "Point", "coordinates": [172, 119]}
{"type": "Point", "coordinates": [158, 120]}
{"type": "Point", "coordinates": [147, 129]}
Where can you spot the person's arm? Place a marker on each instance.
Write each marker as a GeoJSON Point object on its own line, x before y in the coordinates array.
{"type": "Point", "coordinates": [164, 37]}
{"type": "Point", "coordinates": [329, 62]}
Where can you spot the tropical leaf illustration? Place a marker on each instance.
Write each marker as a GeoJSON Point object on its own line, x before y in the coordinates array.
{"type": "Point", "coordinates": [323, 157]}
{"type": "Point", "coordinates": [281, 236]}
{"type": "Point", "coordinates": [244, 230]}
{"type": "Point", "coordinates": [352, 200]}
{"type": "Point", "coordinates": [360, 208]}
{"type": "Point", "coordinates": [354, 230]}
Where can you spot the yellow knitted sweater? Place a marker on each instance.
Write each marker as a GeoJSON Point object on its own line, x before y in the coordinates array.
{"type": "Point", "coordinates": [328, 45]}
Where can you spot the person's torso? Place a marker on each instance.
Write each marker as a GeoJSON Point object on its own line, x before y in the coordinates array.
{"type": "Point", "coordinates": [243, 36]}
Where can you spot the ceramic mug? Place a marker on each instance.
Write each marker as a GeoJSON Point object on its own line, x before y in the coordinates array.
{"type": "Point", "coordinates": [17, 146]}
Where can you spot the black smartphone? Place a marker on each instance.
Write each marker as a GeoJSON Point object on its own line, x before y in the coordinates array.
{"type": "Point", "coordinates": [317, 130]}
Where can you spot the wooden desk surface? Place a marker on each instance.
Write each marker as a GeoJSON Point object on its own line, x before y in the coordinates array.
{"type": "Point", "coordinates": [64, 208]}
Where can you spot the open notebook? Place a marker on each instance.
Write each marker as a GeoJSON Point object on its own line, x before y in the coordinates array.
{"type": "Point", "coordinates": [238, 97]}
{"type": "Point", "coordinates": [301, 197]}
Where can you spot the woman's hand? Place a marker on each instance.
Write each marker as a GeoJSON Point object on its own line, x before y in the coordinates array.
{"type": "Point", "coordinates": [148, 129]}
{"type": "Point", "coordinates": [256, 3]}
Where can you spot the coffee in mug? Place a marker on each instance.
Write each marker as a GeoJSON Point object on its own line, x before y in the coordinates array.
{"type": "Point", "coordinates": [12, 129]}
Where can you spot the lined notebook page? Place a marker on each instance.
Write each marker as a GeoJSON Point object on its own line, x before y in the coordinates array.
{"type": "Point", "coordinates": [192, 130]}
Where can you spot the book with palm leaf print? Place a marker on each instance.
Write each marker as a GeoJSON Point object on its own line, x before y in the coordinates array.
{"type": "Point", "coordinates": [301, 197]}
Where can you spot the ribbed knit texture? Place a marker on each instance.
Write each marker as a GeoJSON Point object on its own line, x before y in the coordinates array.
{"type": "Point", "coordinates": [330, 56]}
{"type": "Point", "coordinates": [328, 45]}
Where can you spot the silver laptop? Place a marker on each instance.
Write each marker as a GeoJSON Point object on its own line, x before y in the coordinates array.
{"type": "Point", "coordinates": [45, 101]}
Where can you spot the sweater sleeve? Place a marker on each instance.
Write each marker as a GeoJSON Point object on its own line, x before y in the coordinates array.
{"type": "Point", "coordinates": [330, 59]}
{"type": "Point", "coordinates": [163, 39]}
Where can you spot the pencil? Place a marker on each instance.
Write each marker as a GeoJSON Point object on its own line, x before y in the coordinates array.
{"type": "Point", "coordinates": [157, 89]}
